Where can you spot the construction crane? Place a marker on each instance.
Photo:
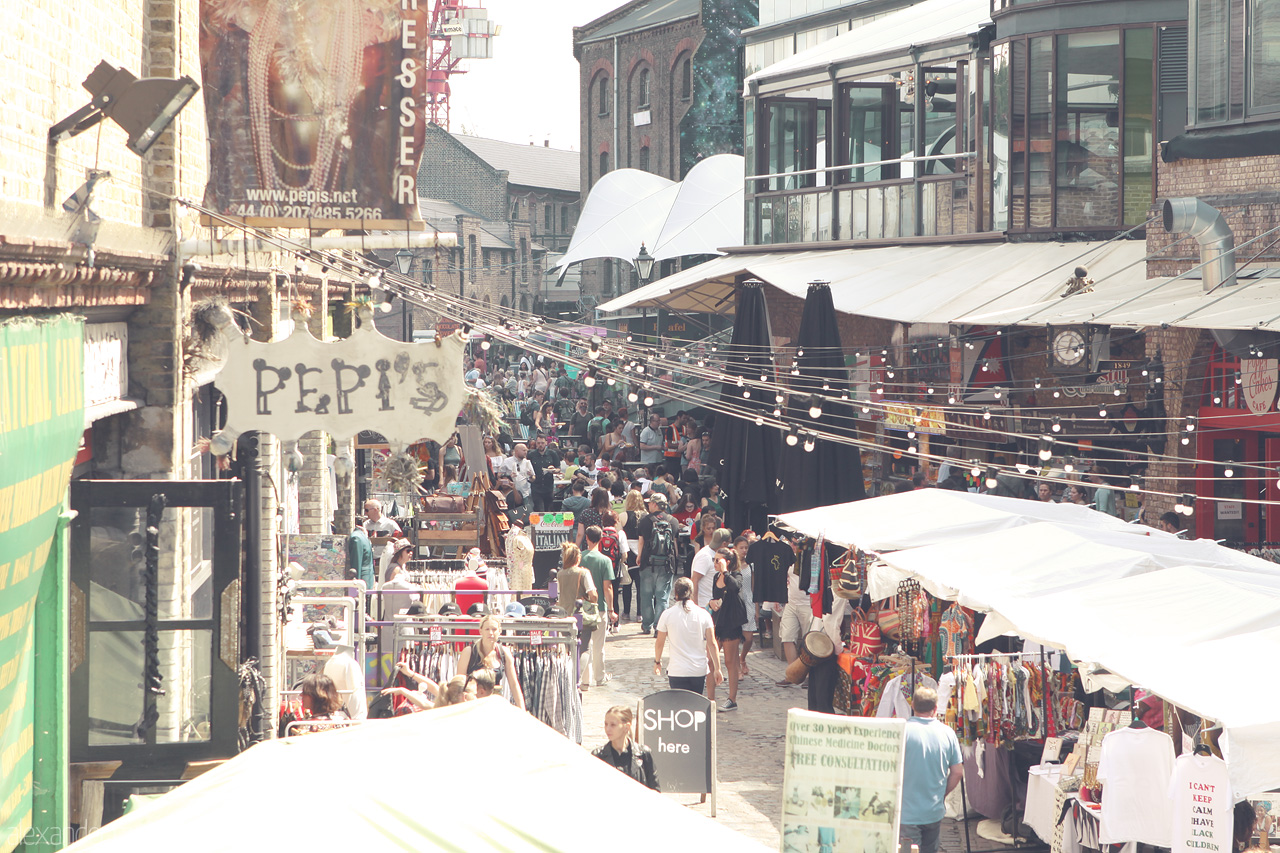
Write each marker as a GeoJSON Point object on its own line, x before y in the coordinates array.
{"type": "Point", "coordinates": [459, 31]}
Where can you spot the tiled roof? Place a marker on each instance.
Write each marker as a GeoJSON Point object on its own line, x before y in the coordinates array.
{"type": "Point", "coordinates": [649, 14]}
{"type": "Point", "coordinates": [528, 165]}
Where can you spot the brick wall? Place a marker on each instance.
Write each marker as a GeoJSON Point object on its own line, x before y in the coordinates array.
{"type": "Point", "coordinates": [449, 170]}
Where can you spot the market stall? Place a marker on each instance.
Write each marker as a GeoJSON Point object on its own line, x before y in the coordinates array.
{"type": "Point", "coordinates": [1188, 621]}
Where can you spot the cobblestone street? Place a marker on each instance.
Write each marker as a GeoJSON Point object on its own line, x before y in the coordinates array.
{"type": "Point", "coordinates": [750, 740]}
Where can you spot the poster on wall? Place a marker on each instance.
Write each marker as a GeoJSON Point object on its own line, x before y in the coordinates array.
{"type": "Point", "coordinates": [842, 783]}
{"type": "Point", "coordinates": [314, 110]}
{"type": "Point", "coordinates": [41, 419]}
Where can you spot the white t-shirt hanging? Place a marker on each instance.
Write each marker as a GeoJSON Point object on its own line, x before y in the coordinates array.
{"type": "Point", "coordinates": [1200, 793]}
{"type": "Point", "coordinates": [1135, 770]}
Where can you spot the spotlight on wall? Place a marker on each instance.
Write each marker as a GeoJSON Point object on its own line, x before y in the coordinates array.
{"type": "Point", "coordinates": [144, 108]}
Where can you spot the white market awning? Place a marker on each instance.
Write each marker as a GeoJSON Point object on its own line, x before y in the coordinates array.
{"type": "Point", "coordinates": [1188, 620]}
{"type": "Point", "coordinates": [694, 217]}
{"type": "Point", "coordinates": [933, 22]}
{"type": "Point", "coordinates": [1254, 302]}
{"type": "Point", "coordinates": [909, 284]}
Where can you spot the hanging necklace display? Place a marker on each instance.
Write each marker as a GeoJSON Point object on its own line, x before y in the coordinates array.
{"type": "Point", "coordinates": [908, 618]}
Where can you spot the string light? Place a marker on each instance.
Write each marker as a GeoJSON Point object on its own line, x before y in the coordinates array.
{"type": "Point", "coordinates": [1134, 485]}
{"type": "Point", "coordinates": [986, 413]}
{"type": "Point", "coordinates": [991, 480]}
{"type": "Point", "coordinates": [1046, 448]}
{"type": "Point", "coordinates": [809, 443]}
{"type": "Point", "coordinates": [975, 470]}
{"type": "Point", "coordinates": [632, 396]}
{"type": "Point", "coordinates": [1056, 425]}
{"type": "Point", "coordinates": [1229, 471]}
{"type": "Point", "coordinates": [815, 406]}
{"type": "Point", "coordinates": [1069, 465]}
{"type": "Point", "coordinates": [590, 379]}
{"type": "Point", "coordinates": [1102, 410]}
{"type": "Point", "coordinates": [793, 436]}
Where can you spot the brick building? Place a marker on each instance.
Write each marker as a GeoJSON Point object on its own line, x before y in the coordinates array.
{"type": "Point", "coordinates": [658, 86]}
{"type": "Point", "coordinates": [511, 205]}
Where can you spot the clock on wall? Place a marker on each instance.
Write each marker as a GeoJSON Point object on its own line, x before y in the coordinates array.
{"type": "Point", "coordinates": [1069, 348]}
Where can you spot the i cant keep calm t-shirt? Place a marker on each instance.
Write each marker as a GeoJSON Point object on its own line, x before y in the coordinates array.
{"type": "Point", "coordinates": [1202, 808]}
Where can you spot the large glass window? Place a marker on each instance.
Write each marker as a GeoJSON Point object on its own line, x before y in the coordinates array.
{"type": "Point", "coordinates": [867, 134]}
{"type": "Point", "coordinates": [1088, 144]}
{"type": "Point", "coordinates": [1212, 69]}
{"type": "Point", "coordinates": [997, 95]}
{"type": "Point", "coordinates": [1139, 101]}
{"type": "Point", "coordinates": [1040, 133]}
{"type": "Point", "coordinates": [1264, 56]}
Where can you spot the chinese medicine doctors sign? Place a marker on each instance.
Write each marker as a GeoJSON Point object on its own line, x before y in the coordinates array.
{"type": "Point", "coordinates": [406, 391]}
{"type": "Point", "coordinates": [842, 784]}
{"type": "Point", "coordinates": [314, 109]}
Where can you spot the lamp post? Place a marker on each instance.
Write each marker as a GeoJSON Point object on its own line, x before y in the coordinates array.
{"type": "Point", "coordinates": [644, 271]}
{"type": "Point", "coordinates": [404, 263]}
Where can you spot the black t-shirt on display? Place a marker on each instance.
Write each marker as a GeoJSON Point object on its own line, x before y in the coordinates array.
{"type": "Point", "coordinates": [770, 559]}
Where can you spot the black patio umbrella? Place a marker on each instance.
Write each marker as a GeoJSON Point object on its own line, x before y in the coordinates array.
{"type": "Point", "coordinates": [747, 455]}
{"type": "Point", "coordinates": [830, 472]}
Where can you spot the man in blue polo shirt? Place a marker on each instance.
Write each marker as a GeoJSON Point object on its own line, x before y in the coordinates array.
{"type": "Point", "coordinates": [932, 768]}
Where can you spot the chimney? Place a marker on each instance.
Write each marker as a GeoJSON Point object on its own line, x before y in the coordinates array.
{"type": "Point", "coordinates": [546, 143]}
{"type": "Point", "coordinates": [1217, 244]}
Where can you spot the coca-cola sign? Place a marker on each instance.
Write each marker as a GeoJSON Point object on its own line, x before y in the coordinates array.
{"type": "Point", "coordinates": [1258, 378]}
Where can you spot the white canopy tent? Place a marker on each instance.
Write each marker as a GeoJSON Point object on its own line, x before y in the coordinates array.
{"type": "Point", "coordinates": [477, 776]}
{"type": "Point", "coordinates": [909, 284]}
{"type": "Point", "coordinates": [693, 217]}
{"type": "Point", "coordinates": [1191, 621]}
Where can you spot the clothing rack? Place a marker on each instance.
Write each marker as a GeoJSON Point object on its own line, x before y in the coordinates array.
{"type": "Point", "coordinates": [1044, 702]}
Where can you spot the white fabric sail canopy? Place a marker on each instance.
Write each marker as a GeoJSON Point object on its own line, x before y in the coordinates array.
{"type": "Point", "coordinates": [696, 216]}
{"type": "Point", "coordinates": [481, 776]}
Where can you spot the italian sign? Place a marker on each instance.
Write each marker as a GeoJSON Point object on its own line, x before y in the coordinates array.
{"type": "Point", "coordinates": [1258, 377]}
{"type": "Point", "coordinates": [406, 391]}
{"type": "Point", "coordinates": [678, 726]}
{"type": "Point", "coordinates": [314, 109]}
{"type": "Point", "coordinates": [41, 419]}
{"type": "Point", "coordinates": [842, 784]}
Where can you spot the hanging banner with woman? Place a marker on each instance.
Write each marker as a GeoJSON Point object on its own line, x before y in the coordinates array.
{"type": "Point", "coordinates": [314, 110]}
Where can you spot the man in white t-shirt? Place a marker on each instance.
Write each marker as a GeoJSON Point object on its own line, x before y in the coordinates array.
{"type": "Point", "coordinates": [651, 443]}
{"type": "Point", "coordinates": [797, 616]}
{"type": "Point", "coordinates": [520, 469]}
{"type": "Point", "coordinates": [377, 524]}
{"type": "Point", "coordinates": [703, 571]}
{"type": "Point", "coordinates": [695, 658]}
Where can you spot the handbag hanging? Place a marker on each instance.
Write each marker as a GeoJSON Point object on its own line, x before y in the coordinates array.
{"type": "Point", "coordinates": [865, 639]}
{"type": "Point", "coordinates": [888, 619]}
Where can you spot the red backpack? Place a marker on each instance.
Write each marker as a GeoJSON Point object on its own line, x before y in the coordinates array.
{"type": "Point", "coordinates": [611, 548]}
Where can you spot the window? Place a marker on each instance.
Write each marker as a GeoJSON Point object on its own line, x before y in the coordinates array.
{"type": "Point", "coordinates": [524, 258]}
{"type": "Point", "coordinates": [472, 256]}
{"type": "Point", "coordinates": [1235, 62]}
{"type": "Point", "coordinates": [564, 219]}
{"type": "Point", "coordinates": [644, 159]}
{"type": "Point", "coordinates": [485, 253]}
{"type": "Point", "coordinates": [642, 89]}
{"type": "Point", "coordinates": [548, 219]}
{"type": "Point", "coordinates": [602, 95]}
{"type": "Point", "coordinates": [686, 78]}
{"type": "Point", "coordinates": [604, 163]}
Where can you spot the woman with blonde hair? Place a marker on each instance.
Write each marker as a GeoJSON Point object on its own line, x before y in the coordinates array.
{"type": "Point", "coordinates": [488, 653]}
{"type": "Point", "coordinates": [623, 753]}
{"type": "Point", "coordinates": [573, 583]}
{"type": "Point", "coordinates": [452, 693]}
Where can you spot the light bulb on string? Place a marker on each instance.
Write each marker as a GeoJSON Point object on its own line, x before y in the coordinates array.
{"type": "Point", "coordinates": [929, 390]}
{"type": "Point", "coordinates": [1102, 410]}
{"type": "Point", "coordinates": [632, 396]}
{"type": "Point", "coordinates": [793, 436]}
{"type": "Point", "coordinates": [1116, 392]}
{"type": "Point", "coordinates": [759, 421]}
{"type": "Point", "coordinates": [975, 470]}
{"type": "Point", "coordinates": [815, 406]}
{"type": "Point", "coordinates": [777, 413]}
{"type": "Point", "coordinates": [593, 349]}
{"type": "Point", "coordinates": [991, 480]}
{"type": "Point", "coordinates": [986, 413]}
{"type": "Point", "coordinates": [648, 401]}
{"type": "Point", "coordinates": [1056, 426]}
{"type": "Point", "coordinates": [1134, 485]}
{"type": "Point", "coordinates": [1229, 471]}
{"type": "Point", "coordinates": [486, 343]}
{"type": "Point", "coordinates": [1191, 423]}
{"type": "Point", "coordinates": [913, 447]}
{"type": "Point", "coordinates": [911, 433]}
{"type": "Point", "coordinates": [1069, 465]}
{"type": "Point", "coordinates": [1217, 399]}
{"type": "Point", "coordinates": [609, 380]}
{"type": "Point", "coordinates": [888, 371]}
{"type": "Point", "coordinates": [1187, 504]}
{"type": "Point", "coordinates": [1037, 383]}
{"type": "Point", "coordinates": [590, 379]}
{"type": "Point", "coordinates": [809, 443]}
{"type": "Point", "coordinates": [1057, 394]}
{"type": "Point", "coordinates": [951, 399]}
{"type": "Point", "coordinates": [999, 393]}
{"type": "Point", "coordinates": [800, 353]}
{"type": "Point", "coordinates": [1046, 448]}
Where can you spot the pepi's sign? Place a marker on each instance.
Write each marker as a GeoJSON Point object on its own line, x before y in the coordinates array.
{"type": "Point", "coordinates": [406, 391]}
{"type": "Point", "coordinates": [678, 726]}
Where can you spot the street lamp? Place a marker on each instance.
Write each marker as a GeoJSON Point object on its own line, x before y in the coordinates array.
{"type": "Point", "coordinates": [644, 265]}
{"type": "Point", "coordinates": [404, 261]}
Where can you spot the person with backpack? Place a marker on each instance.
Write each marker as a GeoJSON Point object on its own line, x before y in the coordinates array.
{"type": "Point", "coordinates": [597, 427]}
{"type": "Point", "coordinates": [657, 565]}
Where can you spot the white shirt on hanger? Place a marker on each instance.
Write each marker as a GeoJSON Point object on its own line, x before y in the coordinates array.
{"type": "Point", "coordinates": [1135, 770]}
{"type": "Point", "coordinates": [1200, 793]}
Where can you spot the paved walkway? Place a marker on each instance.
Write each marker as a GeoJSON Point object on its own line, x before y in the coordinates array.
{"type": "Point", "coordinates": [751, 740]}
